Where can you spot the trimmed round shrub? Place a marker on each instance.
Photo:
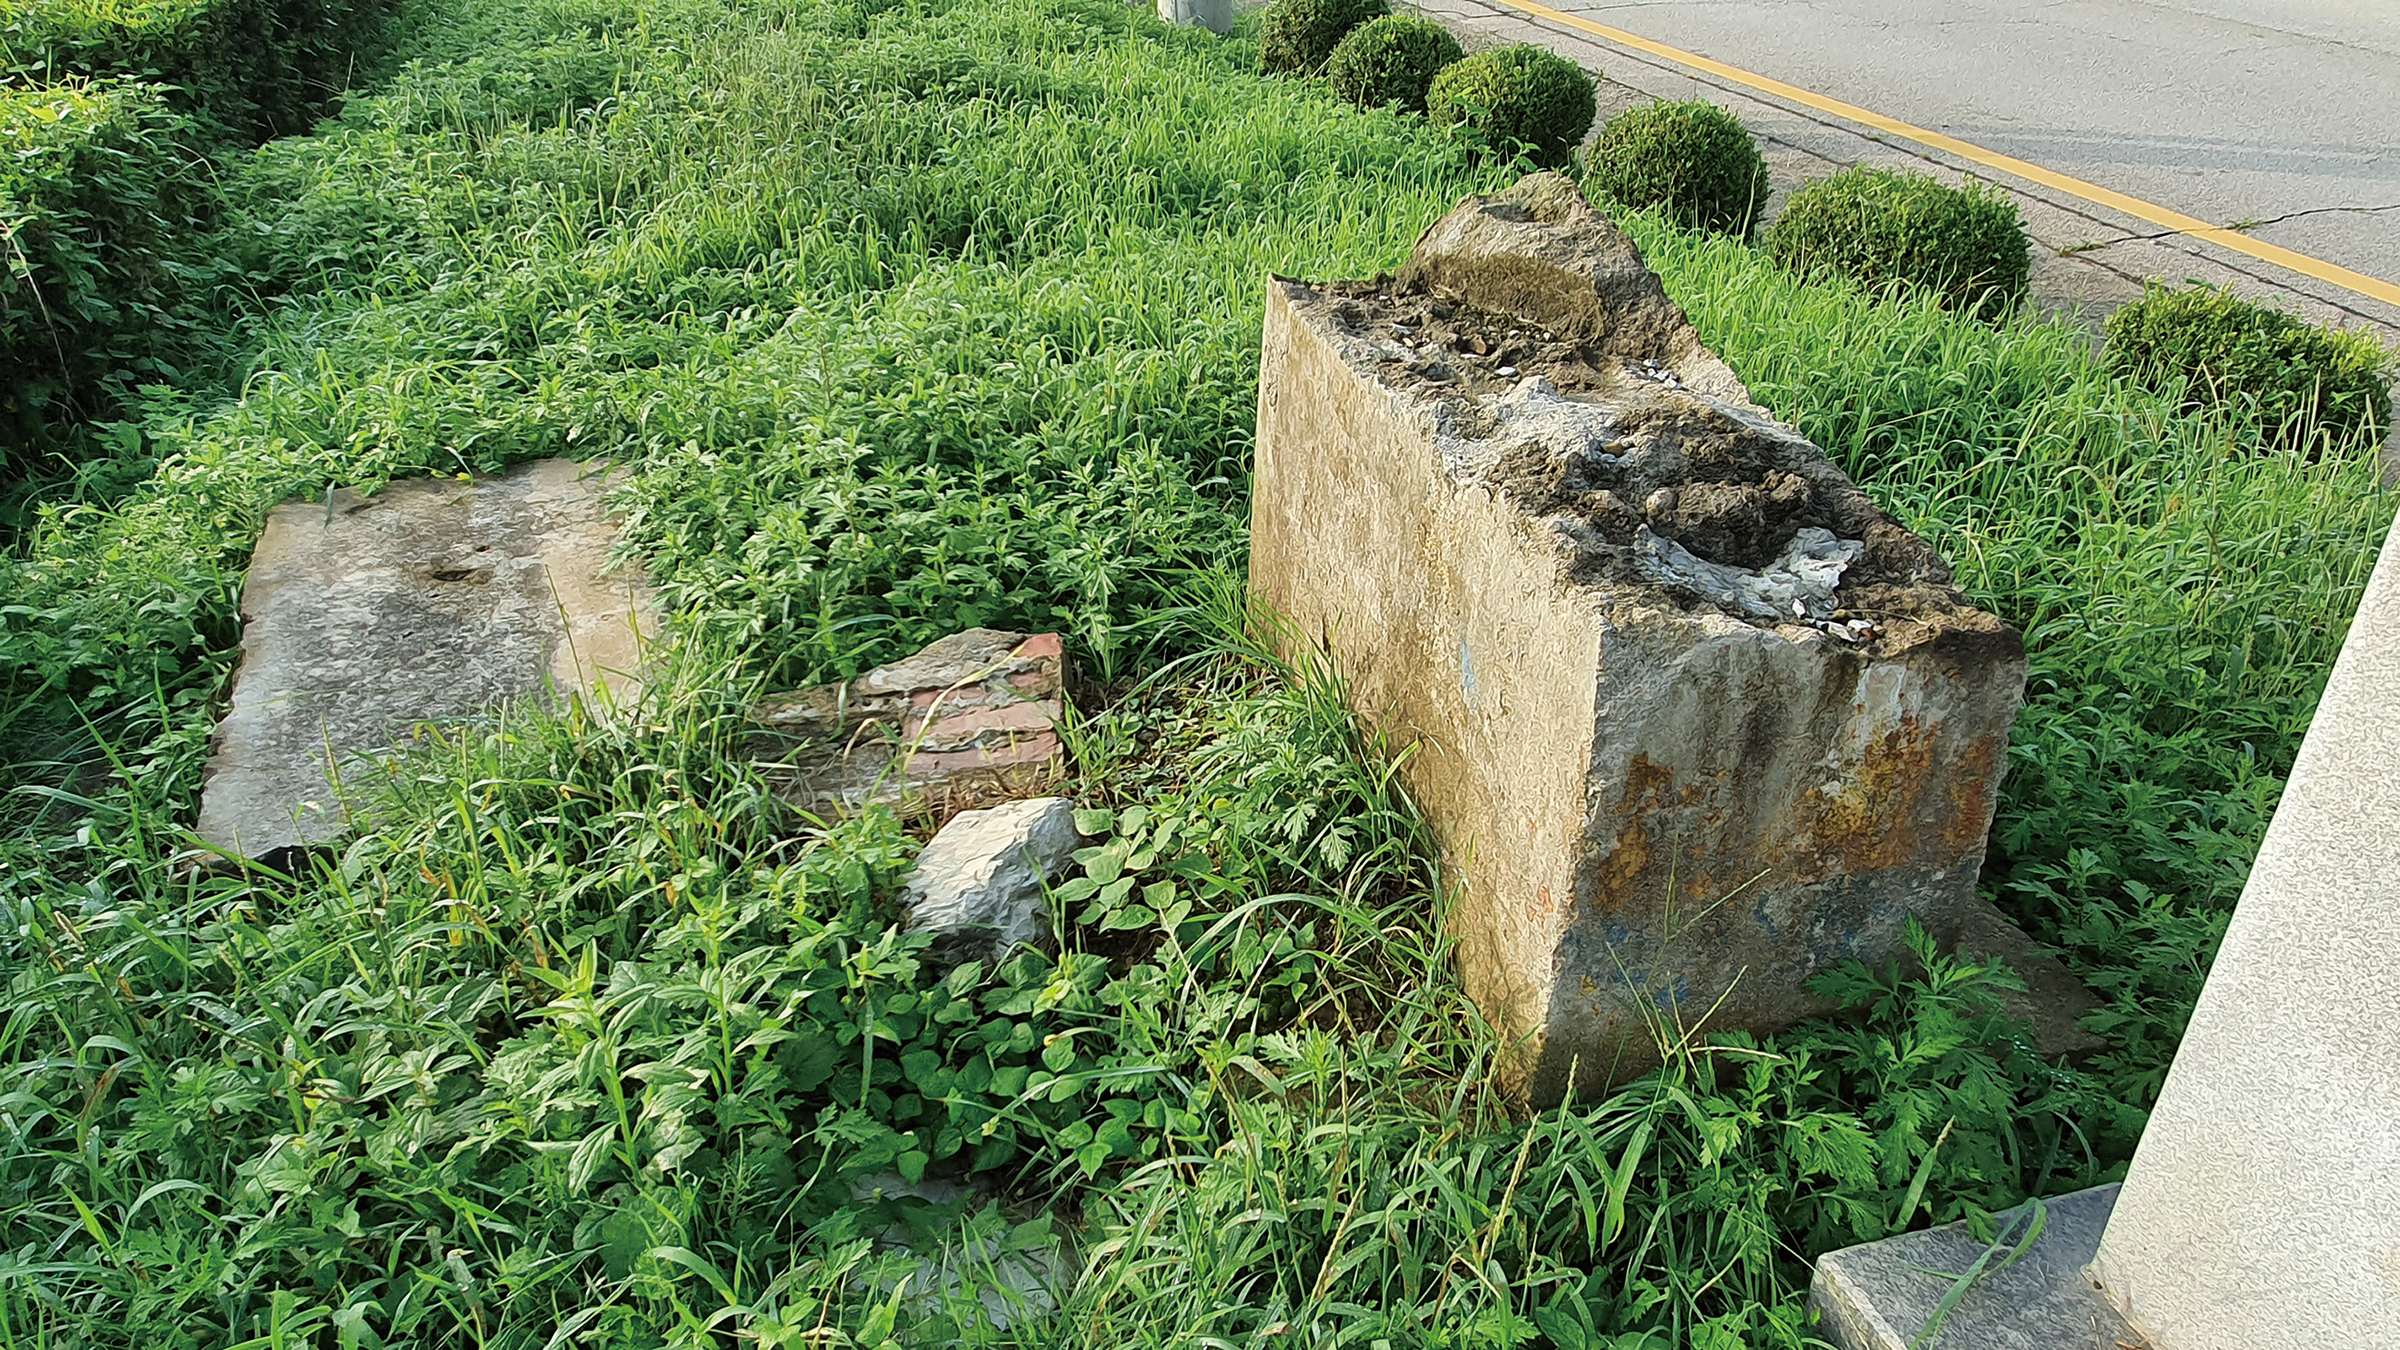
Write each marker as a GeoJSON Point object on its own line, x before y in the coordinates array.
{"type": "Point", "coordinates": [1964, 246]}
{"type": "Point", "coordinates": [1391, 60]}
{"type": "Point", "coordinates": [2225, 351]}
{"type": "Point", "coordinates": [1297, 36]}
{"type": "Point", "coordinates": [1511, 96]}
{"type": "Point", "coordinates": [1695, 162]}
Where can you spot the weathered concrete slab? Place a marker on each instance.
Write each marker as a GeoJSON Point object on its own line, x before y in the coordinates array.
{"type": "Point", "coordinates": [973, 716]}
{"type": "Point", "coordinates": [433, 600]}
{"type": "Point", "coordinates": [1883, 1295]}
{"type": "Point", "coordinates": [2263, 1205]}
{"type": "Point", "coordinates": [1698, 719]}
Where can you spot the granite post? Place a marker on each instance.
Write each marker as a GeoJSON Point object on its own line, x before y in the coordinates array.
{"type": "Point", "coordinates": [2263, 1204]}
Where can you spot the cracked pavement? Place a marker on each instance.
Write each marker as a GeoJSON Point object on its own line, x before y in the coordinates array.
{"type": "Point", "coordinates": [2280, 118]}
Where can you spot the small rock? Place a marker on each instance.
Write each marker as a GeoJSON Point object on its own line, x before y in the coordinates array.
{"type": "Point", "coordinates": [1508, 372]}
{"type": "Point", "coordinates": [978, 884]}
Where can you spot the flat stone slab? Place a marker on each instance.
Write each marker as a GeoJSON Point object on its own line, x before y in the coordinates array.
{"type": "Point", "coordinates": [433, 600]}
{"type": "Point", "coordinates": [971, 716]}
{"type": "Point", "coordinates": [1882, 1295]}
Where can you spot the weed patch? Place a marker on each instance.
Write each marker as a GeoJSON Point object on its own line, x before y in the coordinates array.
{"type": "Point", "coordinates": [936, 315]}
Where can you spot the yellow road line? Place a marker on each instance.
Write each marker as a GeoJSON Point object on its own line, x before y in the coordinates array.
{"type": "Point", "coordinates": [2302, 263]}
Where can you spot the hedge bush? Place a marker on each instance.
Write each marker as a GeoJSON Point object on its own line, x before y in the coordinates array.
{"type": "Point", "coordinates": [1694, 161]}
{"type": "Point", "coordinates": [2224, 350]}
{"type": "Point", "coordinates": [97, 197]}
{"type": "Point", "coordinates": [1965, 246]}
{"type": "Point", "coordinates": [1521, 95]}
{"type": "Point", "coordinates": [255, 68]}
{"type": "Point", "coordinates": [1297, 37]}
{"type": "Point", "coordinates": [1391, 61]}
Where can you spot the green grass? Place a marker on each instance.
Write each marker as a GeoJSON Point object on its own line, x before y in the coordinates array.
{"type": "Point", "coordinates": [948, 314]}
{"type": "Point", "coordinates": [250, 68]}
{"type": "Point", "coordinates": [98, 190]}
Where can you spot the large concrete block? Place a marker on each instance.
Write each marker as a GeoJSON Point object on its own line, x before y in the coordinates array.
{"type": "Point", "coordinates": [432, 600]}
{"type": "Point", "coordinates": [1695, 718]}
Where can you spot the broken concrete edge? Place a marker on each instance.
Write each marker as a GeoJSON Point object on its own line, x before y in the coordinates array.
{"type": "Point", "coordinates": [431, 601]}
{"type": "Point", "coordinates": [1886, 1295]}
{"type": "Point", "coordinates": [1470, 510]}
{"type": "Point", "coordinates": [2053, 1004]}
{"type": "Point", "coordinates": [972, 717]}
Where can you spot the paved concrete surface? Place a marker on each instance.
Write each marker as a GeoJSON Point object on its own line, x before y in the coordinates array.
{"type": "Point", "coordinates": [2276, 111]}
{"type": "Point", "coordinates": [1882, 1295]}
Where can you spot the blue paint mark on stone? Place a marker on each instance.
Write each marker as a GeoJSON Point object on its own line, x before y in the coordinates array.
{"type": "Point", "coordinates": [1466, 672]}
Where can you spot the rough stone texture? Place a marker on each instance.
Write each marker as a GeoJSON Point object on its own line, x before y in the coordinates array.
{"type": "Point", "coordinates": [1017, 1271]}
{"type": "Point", "coordinates": [1214, 15]}
{"type": "Point", "coordinates": [2263, 1205]}
{"type": "Point", "coordinates": [978, 884]}
{"type": "Point", "coordinates": [433, 600]}
{"type": "Point", "coordinates": [973, 713]}
{"type": "Point", "coordinates": [1881, 1296]}
{"type": "Point", "coordinates": [1699, 719]}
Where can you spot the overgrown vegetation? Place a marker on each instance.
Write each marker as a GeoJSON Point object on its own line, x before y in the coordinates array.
{"type": "Point", "coordinates": [947, 314]}
{"type": "Point", "coordinates": [2213, 348]}
{"type": "Point", "coordinates": [253, 68]}
{"type": "Point", "coordinates": [1297, 37]}
{"type": "Point", "coordinates": [99, 197]}
{"type": "Point", "coordinates": [1885, 228]}
{"type": "Point", "coordinates": [1512, 100]}
{"type": "Point", "coordinates": [2182, 588]}
{"type": "Point", "coordinates": [1692, 162]}
{"type": "Point", "coordinates": [111, 277]}
{"type": "Point", "coordinates": [1391, 61]}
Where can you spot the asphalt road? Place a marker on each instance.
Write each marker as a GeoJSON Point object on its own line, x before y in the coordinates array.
{"type": "Point", "coordinates": [2281, 112]}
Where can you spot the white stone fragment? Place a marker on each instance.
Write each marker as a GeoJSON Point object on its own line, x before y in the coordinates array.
{"type": "Point", "coordinates": [1798, 584]}
{"type": "Point", "coordinates": [985, 869]}
{"type": "Point", "coordinates": [1214, 15]}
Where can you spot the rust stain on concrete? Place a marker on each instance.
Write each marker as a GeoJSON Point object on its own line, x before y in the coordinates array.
{"type": "Point", "coordinates": [1866, 822]}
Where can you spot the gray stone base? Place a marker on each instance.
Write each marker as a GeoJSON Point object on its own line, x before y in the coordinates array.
{"type": "Point", "coordinates": [1881, 1295]}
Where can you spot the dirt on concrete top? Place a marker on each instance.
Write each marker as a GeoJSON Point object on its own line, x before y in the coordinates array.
{"type": "Point", "coordinates": [1565, 378]}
